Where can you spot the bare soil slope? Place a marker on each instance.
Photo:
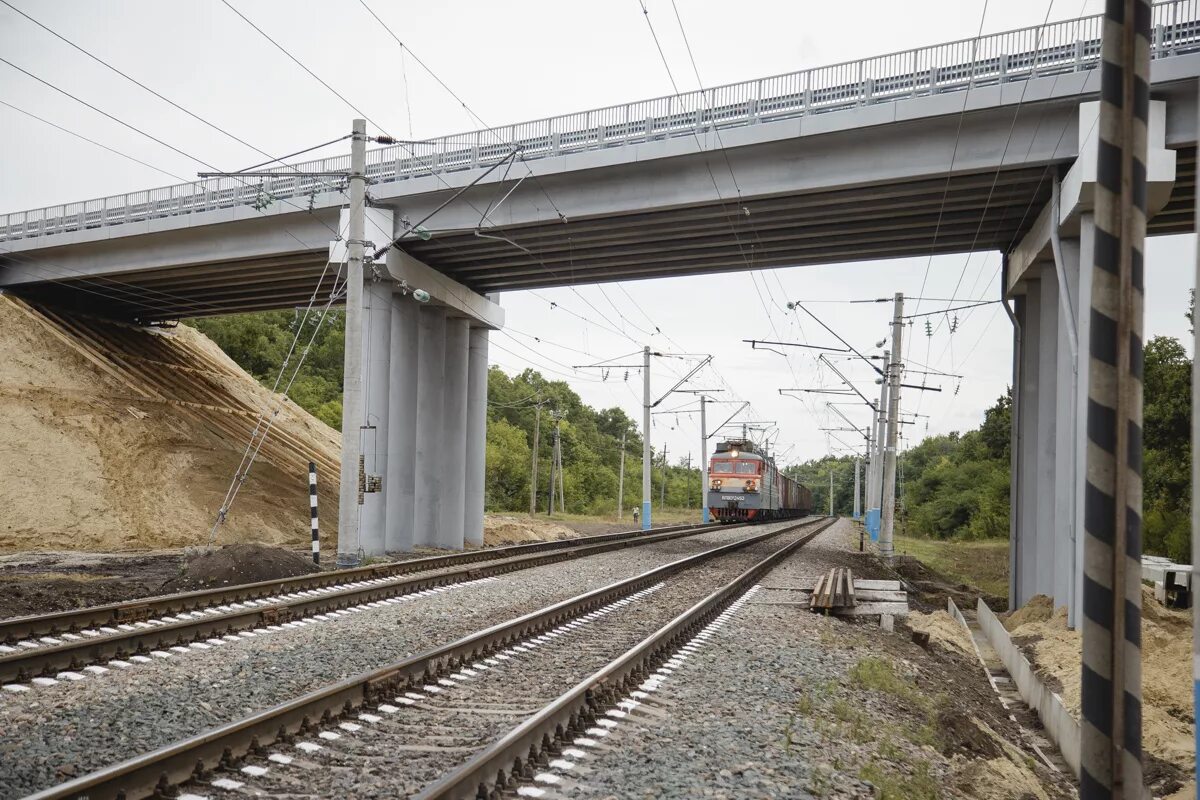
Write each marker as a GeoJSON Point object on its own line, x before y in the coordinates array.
{"type": "Point", "coordinates": [115, 438]}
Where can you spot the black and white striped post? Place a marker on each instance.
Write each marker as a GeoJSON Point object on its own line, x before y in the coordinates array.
{"type": "Point", "coordinates": [1111, 702]}
{"type": "Point", "coordinates": [312, 505]}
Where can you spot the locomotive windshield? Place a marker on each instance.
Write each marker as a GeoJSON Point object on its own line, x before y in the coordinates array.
{"type": "Point", "coordinates": [726, 466]}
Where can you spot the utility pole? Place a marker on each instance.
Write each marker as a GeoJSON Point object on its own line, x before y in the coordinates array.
{"type": "Point", "coordinates": [687, 502]}
{"type": "Point", "coordinates": [533, 483]}
{"type": "Point", "coordinates": [880, 436]}
{"type": "Point", "coordinates": [551, 489]}
{"type": "Point", "coordinates": [621, 481]}
{"type": "Point", "coordinates": [831, 490]}
{"type": "Point", "coordinates": [646, 463]}
{"type": "Point", "coordinates": [562, 494]}
{"type": "Point", "coordinates": [888, 510]}
{"type": "Point", "coordinates": [662, 500]}
{"type": "Point", "coordinates": [857, 498]}
{"type": "Point", "coordinates": [350, 493]}
{"type": "Point", "coordinates": [704, 464]}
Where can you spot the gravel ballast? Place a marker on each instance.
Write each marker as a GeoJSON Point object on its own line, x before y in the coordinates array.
{"type": "Point", "coordinates": [52, 733]}
{"type": "Point", "coordinates": [411, 742]}
{"type": "Point", "coordinates": [781, 702]}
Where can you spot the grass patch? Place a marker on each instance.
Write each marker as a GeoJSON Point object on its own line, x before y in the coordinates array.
{"type": "Point", "coordinates": [983, 563]}
{"type": "Point", "coordinates": [892, 785]}
{"type": "Point", "coordinates": [879, 675]}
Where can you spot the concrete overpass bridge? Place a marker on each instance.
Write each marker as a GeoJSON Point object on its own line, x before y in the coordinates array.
{"type": "Point", "coordinates": [981, 144]}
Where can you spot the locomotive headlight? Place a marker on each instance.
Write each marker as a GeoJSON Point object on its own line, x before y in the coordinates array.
{"type": "Point", "coordinates": [750, 486]}
{"type": "Point", "coordinates": [715, 483]}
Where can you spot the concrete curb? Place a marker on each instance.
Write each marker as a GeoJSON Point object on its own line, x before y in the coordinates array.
{"type": "Point", "coordinates": [1062, 728]}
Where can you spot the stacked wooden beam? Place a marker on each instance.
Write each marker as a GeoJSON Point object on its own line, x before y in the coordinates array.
{"type": "Point", "coordinates": [834, 590]}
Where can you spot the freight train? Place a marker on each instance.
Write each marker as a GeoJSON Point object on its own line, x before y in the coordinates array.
{"type": "Point", "coordinates": [744, 485]}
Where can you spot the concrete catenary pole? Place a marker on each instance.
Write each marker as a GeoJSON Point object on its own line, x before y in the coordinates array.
{"type": "Point", "coordinates": [888, 509]}
{"type": "Point", "coordinates": [621, 481]}
{"type": "Point", "coordinates": [857, 487]}
{"type": "Point", "coordinates": [553, 467]}
{"type": "Point", "coordinates": [1111, 698]}
{"type": "Point", "coordinates": [1196, 518]}
{"type": "Point", "coordinates": [831, 491]}
{"type": "Point", "coordinates": [562, 494]}
{"type": "Point", "coordinates": [352, 398]}
{"type": "Point", "coordinates": [647, 466]}
{"type": "Point", "coordinates": [662, 498]}
{"type": "Point", "coordinates": [703, 463]}
{"type": "Point", "coordinates": [877, 457]}
{"type": "Point", "coordinates": [533, 478]}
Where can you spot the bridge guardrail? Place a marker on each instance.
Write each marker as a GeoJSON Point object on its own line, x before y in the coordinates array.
{"type": "Point", "coordinates": [1038, 51]}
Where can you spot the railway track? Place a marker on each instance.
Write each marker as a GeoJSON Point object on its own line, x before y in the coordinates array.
{"type": "Point", "coordinates": [421, 718]}
{"type": "Point", "coordinates": [63, 643]}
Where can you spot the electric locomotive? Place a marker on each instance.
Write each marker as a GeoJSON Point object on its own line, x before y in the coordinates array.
{"type": "Point", "coordinates": [743, 485]}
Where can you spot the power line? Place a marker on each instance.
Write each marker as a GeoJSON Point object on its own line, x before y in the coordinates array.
{"type": "Point", "coordinates": [160, 96]}
{"type": "Point", "coordinates": [93, 141]}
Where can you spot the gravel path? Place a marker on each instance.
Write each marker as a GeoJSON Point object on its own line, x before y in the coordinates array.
{"type": "Point", "coordinates": [56, 732]}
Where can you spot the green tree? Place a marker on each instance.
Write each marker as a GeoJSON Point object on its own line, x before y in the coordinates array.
{"type": "Point", "coordinates": [1166, 468]}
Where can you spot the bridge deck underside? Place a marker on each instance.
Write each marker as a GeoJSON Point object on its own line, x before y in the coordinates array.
{"type": "Point", "coordinates": [986, 211]}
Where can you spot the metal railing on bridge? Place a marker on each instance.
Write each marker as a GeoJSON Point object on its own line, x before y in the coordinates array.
{"type": "Point", "coordinates": [1039, 51]}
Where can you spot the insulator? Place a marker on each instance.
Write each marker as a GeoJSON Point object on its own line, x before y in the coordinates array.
{"type": "Point", "coordinates": [928, 328]}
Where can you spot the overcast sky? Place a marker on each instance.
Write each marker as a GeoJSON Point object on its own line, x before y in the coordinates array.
{"type": "Point", "coordinates": [524, 60]}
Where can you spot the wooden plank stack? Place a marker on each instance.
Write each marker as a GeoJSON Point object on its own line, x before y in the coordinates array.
{"type": "Point", "coordinates": [833, 591]}
{"type": "Point", "coordinates": [839, 592]}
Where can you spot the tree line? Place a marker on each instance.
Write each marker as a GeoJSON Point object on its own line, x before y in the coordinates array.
{"type": "Point", "coordinates": [954, 485]}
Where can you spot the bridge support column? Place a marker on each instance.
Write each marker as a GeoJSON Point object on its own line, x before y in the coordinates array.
{"type": "Point", "coordinates": [477, 384]}
{"type": "Point", "coordinates": [402, 427]}
{"type": "Point", "coordinates": [1046, 354]}
{"type": "Point", "coordinates": [1025, 398]}
{"type": "Point", "coordinates": [431, 373]}
{"type": "Point", "coordinates": [376, 343]}
{"type": "Point", "coordinates": [454, 436]}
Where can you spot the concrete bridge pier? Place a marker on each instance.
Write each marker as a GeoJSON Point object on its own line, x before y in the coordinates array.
{"type": "Point", "coordinates": [1049, 281]}
{"type": "Point", "coordinates": [424, 388]}
{"type": "Point", "coordinates": [399, 485]}
{"type": "Point", "coordinates": [431, 398]}
{"type": "Point", "coordinates": [477, 382]}
{"type": "Point", "coordinates": [454, 437]}
{"type": "Point", "coordinates": [376, 339]}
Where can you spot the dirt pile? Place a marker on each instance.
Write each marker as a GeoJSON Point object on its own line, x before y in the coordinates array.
{"type": "Point", "coordinates": [236, 564]}
{"type": "Point", "coordinates": [501, 529]}
{"type": "Point", "coordinates": [942, 628]}
{"type": "Point", "coordinates": [1167, 722]}
{"type": "Point", "coordinates": [115, 438]}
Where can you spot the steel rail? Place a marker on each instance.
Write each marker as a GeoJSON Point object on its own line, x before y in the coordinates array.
{"type": "Point", "coordinates": [15, 629]}
{"type": "Point", "coordinates": [161, 770]}
{"type": "Point", "coordinates": [511, 759]}
{"type": "Point", "coordinates": [50, 659]}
